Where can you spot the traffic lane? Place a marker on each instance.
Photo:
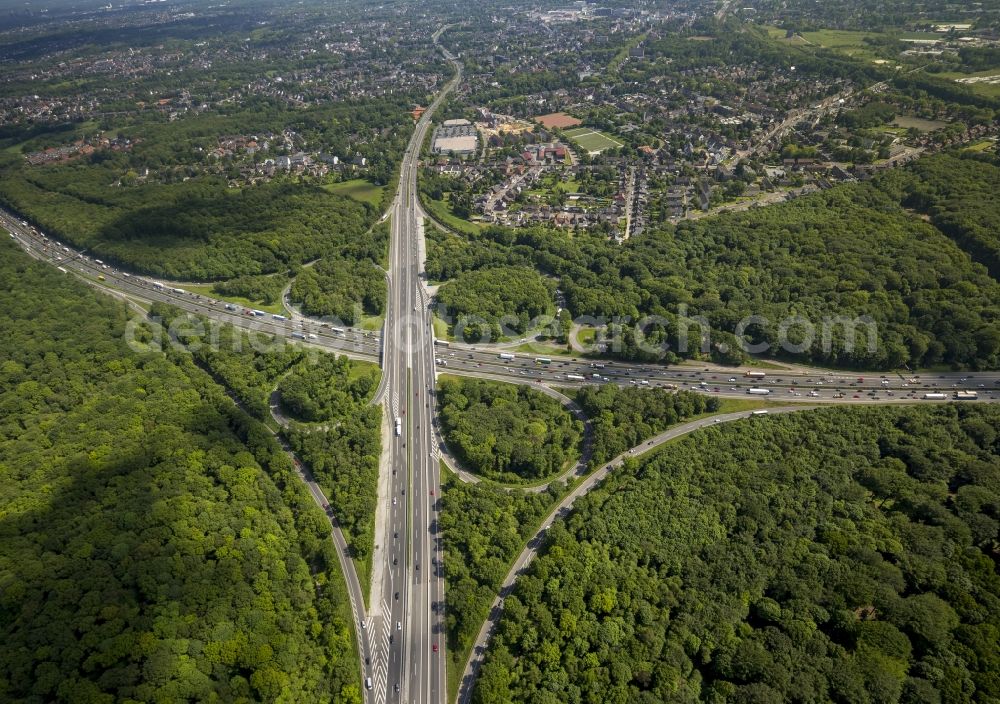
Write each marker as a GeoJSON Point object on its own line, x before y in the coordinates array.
{"type": "Point", "coordinates": [129, 284]}
{"type": "Point", "coordinates": [364, 345]}
{"type": "Point", "coordinates": [145, 289]}
{"type": "Point", "coordinates": [847, 399]}
{"type": "Point", "coordinates": [612, 367]}
{"type": "Point", "coordinates": [422, 518]}
{"type": "Point", "coordinates": [618, 369]}
{"type": "Point", "coordinates": [714, 386]}
{"type": "Point", "coordinates": [362, 349]}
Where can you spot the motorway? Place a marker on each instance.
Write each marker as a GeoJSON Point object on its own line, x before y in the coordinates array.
{"type": "Point", "coordinates": [407, 600]}
{"type": "Point", "coordinates": [401, 635]}
{"type": "Point", "coordinates": [483, 360]}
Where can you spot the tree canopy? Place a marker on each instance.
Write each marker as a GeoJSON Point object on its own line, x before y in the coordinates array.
{"type": "Point", "coordinates": [830, 555]}
{"type": "Point", "coordinates": [487, 301]}
{"type": "Point", "coordinates": [506, 432]}
{"type": "Point", "coordinates": [962, 198]}
{"type": "Point", "coordinates": [328, 388]}
{"type": "Point", "coordinates": [622, 417]}
{"type": "Point", "coordinates": [191, 230]}
{"type": "Point", "coordinates": [154, 542]}
{"type": "Point", "coordinates": [852, 252]}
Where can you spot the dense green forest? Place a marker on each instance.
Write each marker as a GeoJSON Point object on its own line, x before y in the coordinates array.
{"type": "Point", "coordinates": [339, 439]}
{"type": "Point", "coordinates": [503, 299]}
{"type": "Point", "coordinates": [341, 289]}
{"type": "Point", "coordinates": [348, 282]}
{"type": "Point", "coordinates": [328, 388]}
{"type": "Point", "coordinates": [155, 544]}
{"type": "Point", "coordinates": [622, 417]}
{"type": "Point", "coordinates": [844, 555]}
{"type": "Point", "coordinates": [962, 197]}
{"type": "Point", "coordinates": [342, 449]}
{"type": "Point", "coordinates": [248, 364]}
{"type": "Point", "coordinates": [344, 459]}
{"type": "Point", "coordinates": [506, 432]}
{"type": "Point", "coordinates": [852, 251]}
{"type": "Point", "coordinates": [196, 229]}
{"type": "Point", "coordinates": [483, 528]}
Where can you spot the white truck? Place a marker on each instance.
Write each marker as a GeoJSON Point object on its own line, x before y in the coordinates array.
{"type": "Point", "coordinates": [399, 426]}
{"type": "Point", "coordinates": [506, 356]}
{"type": "Point", "coordinates": [754, 391]}
{"type": "Point", "coordinates": [755, 375]}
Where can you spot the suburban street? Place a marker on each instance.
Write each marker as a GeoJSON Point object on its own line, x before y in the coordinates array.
{"type": "Point", "coordinates": [401, 635]}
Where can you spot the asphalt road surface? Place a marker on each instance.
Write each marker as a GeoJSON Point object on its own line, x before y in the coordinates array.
{"type": "Point", "coordinates": [401, 635]}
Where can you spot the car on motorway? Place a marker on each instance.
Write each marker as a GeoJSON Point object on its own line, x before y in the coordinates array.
{"type": "Point", "coordinates": [434, 647]}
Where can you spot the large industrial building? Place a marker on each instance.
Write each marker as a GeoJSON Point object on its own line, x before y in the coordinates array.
{"type": "Point", "coordinates": [456, 137]}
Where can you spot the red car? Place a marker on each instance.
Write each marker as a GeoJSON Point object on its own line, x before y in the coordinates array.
{"type": "Point", "coordinates": [434, 647]}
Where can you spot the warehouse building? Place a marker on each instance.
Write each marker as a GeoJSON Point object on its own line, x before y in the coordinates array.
{"type": "Point", "coordinates": [456, 137]}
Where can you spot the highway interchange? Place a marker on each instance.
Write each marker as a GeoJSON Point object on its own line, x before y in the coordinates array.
{"type": "Point", "coordinates": [483, 360]}
{"type": "Point", "coordinates": [401, 634]}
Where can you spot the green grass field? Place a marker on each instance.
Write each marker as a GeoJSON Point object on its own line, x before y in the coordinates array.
{"type": "Point", "coordinates": [550, 184]}
{"type": "Point", "coordinates": [991, 90]}
{"type": "Point", "coordinates": [981, 146]}
{"type": "Point", "coordinates": [361, 369]}
{"type": "Point", "coordinates": [590, 140]}
{"type": "Point", "coordinates": [908, 121]}
{"type": "Point", "coordinates": [440, 210]}
{"type": "Point", "coordinates": [359, 189]}
{"type": "Point", "coordinates": [544, 349]}
{"type": "Point", "coordinates": [441, 329]}
{"type": "Point", "coordinates": [209, 290]}
{"type": "Point", "coordinates": [372, 323]}
{"type": "Point", "coordinates": [837, 38]}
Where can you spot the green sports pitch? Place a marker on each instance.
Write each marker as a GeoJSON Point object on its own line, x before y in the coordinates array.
{"type": "Point", "coordinates": [590, 140]}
